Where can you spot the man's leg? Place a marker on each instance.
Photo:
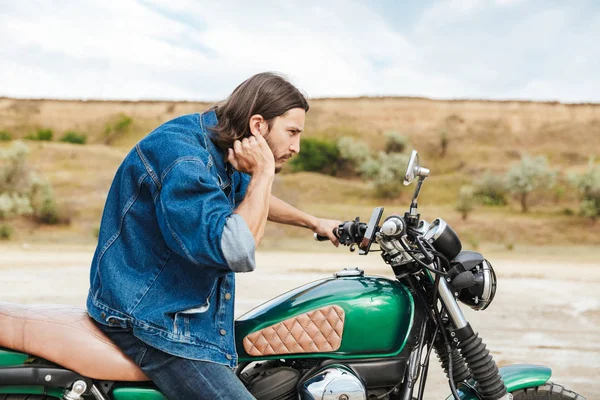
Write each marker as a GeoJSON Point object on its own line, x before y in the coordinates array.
{"type": "Point", "coordinates": [179, 378]}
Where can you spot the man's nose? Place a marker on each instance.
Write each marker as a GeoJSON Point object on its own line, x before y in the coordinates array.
{"type": "Point", "coordinates": [295, 147]}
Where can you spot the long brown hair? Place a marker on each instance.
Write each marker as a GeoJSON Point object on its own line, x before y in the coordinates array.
{"type": "Point", "coordinates": [267, 94]}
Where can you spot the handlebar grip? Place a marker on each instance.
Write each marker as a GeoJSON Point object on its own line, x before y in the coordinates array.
{"type": "Point", "coordinates": [320, 238]}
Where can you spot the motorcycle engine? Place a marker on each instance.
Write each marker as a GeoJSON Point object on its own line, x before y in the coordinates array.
{"type": "Point", "coordinates": [269, 380]}
{"type": "Point", "coordinates": [333, 382]}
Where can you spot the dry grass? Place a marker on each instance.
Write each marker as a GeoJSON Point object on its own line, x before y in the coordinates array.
{"type": "Point", "coordinates": [483, 135]}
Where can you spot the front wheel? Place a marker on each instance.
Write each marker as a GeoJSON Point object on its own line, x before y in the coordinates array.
{"type": "Point", "coordinates": [549, 391]}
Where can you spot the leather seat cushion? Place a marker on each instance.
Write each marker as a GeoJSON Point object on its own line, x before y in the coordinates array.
{"type": "Point", "coordinates": [65, 335]}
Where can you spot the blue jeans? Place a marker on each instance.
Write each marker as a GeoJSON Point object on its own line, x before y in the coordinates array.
{"type": "Point", "coordinates": [179, 378]}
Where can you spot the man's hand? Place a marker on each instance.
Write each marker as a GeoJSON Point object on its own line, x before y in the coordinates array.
{"type": "Point", "coordinates": [325, 227]}
{"type": "Point", "coordinates": [252, 156]}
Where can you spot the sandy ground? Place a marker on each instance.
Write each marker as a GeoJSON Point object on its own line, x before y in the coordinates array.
{"type": "Point", "coordinates": [545, 312]}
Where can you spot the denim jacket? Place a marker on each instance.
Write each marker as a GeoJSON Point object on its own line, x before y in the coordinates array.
{"type": "Point", "coordinates": [170, 243]}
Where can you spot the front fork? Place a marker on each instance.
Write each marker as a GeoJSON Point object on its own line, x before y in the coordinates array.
{"type": "Point", "coordinates": [479, 360]}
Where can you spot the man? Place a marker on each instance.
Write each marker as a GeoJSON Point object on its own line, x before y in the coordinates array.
{"type": "Point", "coordinates": [186, 210]}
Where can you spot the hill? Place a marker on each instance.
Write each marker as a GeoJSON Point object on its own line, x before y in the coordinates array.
{"type": "Point", "coordinates": [482, 135]}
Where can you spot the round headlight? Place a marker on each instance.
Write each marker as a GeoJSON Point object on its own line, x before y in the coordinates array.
{"type": "Point", "coordinates": [480, 295]}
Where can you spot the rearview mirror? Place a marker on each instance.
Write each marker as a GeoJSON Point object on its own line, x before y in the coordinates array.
{"type": "Point", "coordinates": [414, 169]}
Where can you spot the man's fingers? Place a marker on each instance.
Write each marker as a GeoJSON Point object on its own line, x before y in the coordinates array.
{"type": "Point", "coordinates": [231, 158]}
{"type": "Point", "coordinates": [237, 146]}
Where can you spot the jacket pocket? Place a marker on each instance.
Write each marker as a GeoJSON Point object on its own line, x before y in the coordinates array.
{"type": "Point", "coordinates": [181, 319]}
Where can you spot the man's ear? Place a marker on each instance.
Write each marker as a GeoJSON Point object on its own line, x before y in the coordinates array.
{"type": "Point", "coordinates": [257, 124]}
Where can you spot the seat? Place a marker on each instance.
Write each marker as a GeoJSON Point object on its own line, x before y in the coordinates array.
{"type": "Point", "coordinates": [65, 335]}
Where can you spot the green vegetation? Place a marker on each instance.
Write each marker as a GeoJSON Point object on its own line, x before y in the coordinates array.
{"type": "Point", "coordinates": [443, 143]}
{"type": "Point", "coordinates": [588, 185]}
{"type": "Point", "coordinates": [22, 193]}
{"type": "Point", "coordinates": [490, 190]}
{"type": "Point", "coordinates": [395, 142]}
{"type": "Point", "coordinates": [6, 232]}
{"type": "Point", "coordinates": [466, 201]}
{"type": "Point", "coordinates": [352, 154]}
{"type": "Point", "coordinates": [317, 155]}
{"type": "Point", "coordinates": [117, 128]}
{"type": "Point", "coordinates": [386, 171]}
{"type": "Point", "coordinates": [42, 135]}
{"type": "Point", "coordinates": [5, 136]}
{"type": "Point", "coordinates": [528, 175]}
{"type": "Point", "coordinates": [74, 137]}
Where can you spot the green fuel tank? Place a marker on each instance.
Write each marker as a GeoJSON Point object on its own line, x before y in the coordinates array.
{"type": "Point", "coordinates": [378, 317]}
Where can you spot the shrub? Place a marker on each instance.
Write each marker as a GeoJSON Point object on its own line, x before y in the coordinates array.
{"type": "Point", "coordinates": [352, 154]}
{"type": "Point", "coordinates": [44, 135]}
{"type": "Point", "coordinates": [395, 142]}
{"type": "Point", "coordinates": [5, 136]}
{"type": "Point", "coordinates": [5, 232]}
{"type": "Point", "coordinates": [74, 137]}
{"type": "Point", "coordinates": [443, 143]}
{"type": "Point", "coordinates": [14, 172]}
{"type": "Point", "coordinates": [490, 190]}
{"type": "Point", "coordinates": [466, 201]}
{"type": "Point", "coordinates": [117, 127]}
{"type": "Point", "coordinates": [21, 192]}
{"type": "Point", "coordinates": [528, 175]}
{"type": "Point", "coordinates": [386, 172]}
{"type": "Point", "coordinates": [588, 185]}
{"type": "Point", "coordinates": [317, 155]}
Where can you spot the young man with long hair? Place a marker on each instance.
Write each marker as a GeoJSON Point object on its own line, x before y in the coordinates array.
{"type": "Point", "coordinates": [186, 210]}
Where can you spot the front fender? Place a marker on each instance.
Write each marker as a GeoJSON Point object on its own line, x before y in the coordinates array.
{"type": "Point", "coordinates": [515, 377]}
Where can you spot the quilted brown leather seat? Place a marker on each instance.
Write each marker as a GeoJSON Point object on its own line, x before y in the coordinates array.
{"type": "Point", "coordinates": [66, 336]}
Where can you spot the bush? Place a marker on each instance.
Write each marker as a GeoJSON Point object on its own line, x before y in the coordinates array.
{"type": "Point", "coordinates": [588, 185]}
{"type": "Point", "coordinates": [490, 190]}
{"type": "Point", "coordinates": [443, 143]}
{"type": "Point", "coordinates": [5, 232]}
{"type": "Point", "coordinates": [117, 127]}
{"type": "Point", "coordinates": [352, 154]}
{"type": "Point", "coordinates": [5, 136]}
{"type": "Point", "coordinates": [44, 135]}
{"type": "Point", "coordinates": [21, 192]}
{"type": "Point", "coordinates": [74, 137]}
{"type": "Point", "coordinates": [386, 172]}
{"type": "Point", "coordinates": [14, 172]}
{"type": "Point", "coordinates": [395, 142]}
{"type": "Point", "coordinates": [528, 175]}
{"type": "Point", "coordinates": [317, 155]}
{"type": "Point", "coordinates": [466, 201]}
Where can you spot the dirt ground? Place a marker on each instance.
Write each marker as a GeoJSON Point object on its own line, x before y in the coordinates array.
{"type": "Point", "coordinates": [546, 310]}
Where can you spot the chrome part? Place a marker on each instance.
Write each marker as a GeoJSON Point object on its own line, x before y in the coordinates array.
{"type": "Point", "coordinates": [423, 226]}
{"type": "Point", "coordinates": [487, 282]}
{"type": "Point", "coordinates": [333, 383]}
{"type": "Point", "coordinates": [97, 393]}
{"type": "Point", "coordinates": [454, 311]}
{"type": "Point", "coordinates": [392, 226]}
{"type": "Point", "coordinates": [414, 169]}
{"type": "Point", "coordinates": [435, 230]}
{"type": "Point", "coordinates": [349, 272]}
{"type": "Point", "coordinates": [79, 388]}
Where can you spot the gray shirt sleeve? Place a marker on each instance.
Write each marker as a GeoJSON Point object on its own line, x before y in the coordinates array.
{"type": "Point", "coordinates": [238, 245]}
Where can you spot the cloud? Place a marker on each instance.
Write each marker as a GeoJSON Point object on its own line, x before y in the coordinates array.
{"type": "Point", "coordinates": [184, 49]}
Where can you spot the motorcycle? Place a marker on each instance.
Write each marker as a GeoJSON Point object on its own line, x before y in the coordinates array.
{"type": "Point", "coordinates": [347, 337]}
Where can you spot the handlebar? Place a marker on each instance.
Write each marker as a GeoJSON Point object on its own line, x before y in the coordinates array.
{"type": "Point", "coordinates": [348, 232]}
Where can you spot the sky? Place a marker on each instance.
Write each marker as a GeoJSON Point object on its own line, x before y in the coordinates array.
{"type": "Point", "coordinates": [201, 50]}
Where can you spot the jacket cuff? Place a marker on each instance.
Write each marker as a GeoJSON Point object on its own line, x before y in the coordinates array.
{"type": "Point", "coordinates": [237, 244]}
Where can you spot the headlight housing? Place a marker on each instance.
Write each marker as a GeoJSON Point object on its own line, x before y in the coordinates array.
{"type": "Point", "coordinates": [474, 279]}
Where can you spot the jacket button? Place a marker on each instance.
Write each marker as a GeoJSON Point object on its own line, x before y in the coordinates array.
{"type": "Point", "coordinates": [102, 315]}
{"type": "Point", "coordinates": [223, 332]}
{"type": "Point", "coordinates": [228, 356]}
{"type": "Point", "coordinates": [227, 296]}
